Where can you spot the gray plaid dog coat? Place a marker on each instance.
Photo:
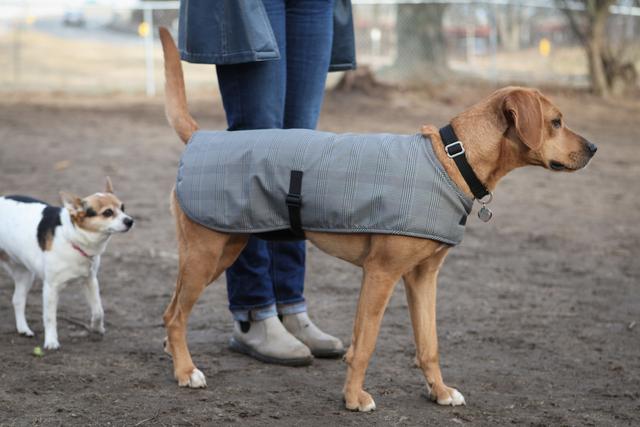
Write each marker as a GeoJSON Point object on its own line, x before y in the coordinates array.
{"type": "Point", "coordinates": [238, 182]}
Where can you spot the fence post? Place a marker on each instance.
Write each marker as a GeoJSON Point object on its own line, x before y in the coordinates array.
{"type": "Point", "coordinates": [493, 39]}
{"type": "Point", "coordinates": [148, 45]}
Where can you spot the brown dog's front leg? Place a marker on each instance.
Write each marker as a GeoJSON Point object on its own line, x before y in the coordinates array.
{"type": "Point", "coordinates": [420, 284]}
{"type": "Point", "coordinates": [377, 287]}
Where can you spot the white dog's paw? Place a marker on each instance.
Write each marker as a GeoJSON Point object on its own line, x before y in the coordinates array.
{"type": "Point", "coordinates": [26, 332]}
{"type": "Point", "coordinates": [51, 345]}
{"type": "Point", "coordinates": [96, 335]}
{"type": "Point", "coordinates": [451, 397]}
{"type": "Point", "coordinates": [195, 380]}
{"type": "Point", "coordinates": [98, 329]}
{"type": "Point", "coordinates": [97, 325]}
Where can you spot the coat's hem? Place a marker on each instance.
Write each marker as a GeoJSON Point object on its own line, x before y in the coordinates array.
{"type": "Point", "coordinates": [346, 66]}
{"type": "Point", "coordinates": [227, 59]}
{"type": "Point", "coordinates": [319, 230]}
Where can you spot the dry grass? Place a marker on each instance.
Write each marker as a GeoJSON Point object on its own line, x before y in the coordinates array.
{"type": "Point", "coordinates": [49, 63]}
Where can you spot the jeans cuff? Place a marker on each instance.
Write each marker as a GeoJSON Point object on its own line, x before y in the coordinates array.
{"type": "Point", "coordinates": [255, 314]}
{"type": "Point", "coordinates": [295, 308]}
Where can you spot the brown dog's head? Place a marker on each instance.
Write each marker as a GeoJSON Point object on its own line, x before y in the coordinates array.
{"type": "Point", "coordinates": [538, 129]}
{"type": "Point", "coordinates": [98, 213]}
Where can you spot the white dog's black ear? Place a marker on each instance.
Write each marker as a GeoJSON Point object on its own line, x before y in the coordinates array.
{"type": "Point", "coordinates": [71, 202]}
{"type": "Point", "coordinates": [109, 186]}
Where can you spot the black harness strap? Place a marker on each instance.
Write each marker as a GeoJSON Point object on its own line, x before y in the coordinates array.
{"type": "Point", "coordinates": [455, 150]}
{"type": "Point", "coordinates": [294, 203]}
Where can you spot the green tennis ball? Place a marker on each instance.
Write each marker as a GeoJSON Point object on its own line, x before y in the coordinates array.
{"type": "Point", "coordinates": [37, 351]}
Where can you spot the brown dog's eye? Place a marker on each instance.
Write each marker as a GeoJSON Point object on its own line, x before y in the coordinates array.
{"type": "Point", "coordinates": [107, 213]}
{"type": "Point", "coordinates": [122, 207]}
{"type": "Point", "coordinates": [556, 123]}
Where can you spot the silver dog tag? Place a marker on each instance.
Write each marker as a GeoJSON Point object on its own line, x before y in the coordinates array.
{"type": "Point", "coordinates": [485, 214]}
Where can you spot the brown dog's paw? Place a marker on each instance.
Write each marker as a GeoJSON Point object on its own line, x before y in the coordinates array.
{"type": "Point", "coordinates": [363, 402]}
{"type": "Point", "coordinates": [447, 396]}
{"type": "Point", "coordinates": [195, 379]}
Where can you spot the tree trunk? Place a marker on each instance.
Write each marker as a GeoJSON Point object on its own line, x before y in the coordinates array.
{"type": "Point", "coordinates": [509, 29]}
{"type": "Point", "coordinates": [421, 42]}
{"type": "Point", "coordinates": [595, 47]}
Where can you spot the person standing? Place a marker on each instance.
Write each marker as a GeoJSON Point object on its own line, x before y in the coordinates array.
{"type": "Point", "coordinates": [272, 59]}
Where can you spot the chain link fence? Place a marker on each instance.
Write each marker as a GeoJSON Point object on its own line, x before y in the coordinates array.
{"type": "Point", "coordinates": [109, 46]}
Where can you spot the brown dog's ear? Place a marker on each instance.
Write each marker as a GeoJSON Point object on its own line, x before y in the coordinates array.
{"type": "Point", "coordinates": [109, 187]}
{"type": "Point", "coordinates": [71, 202]}
{"type": "Point", "coordinates": [523, 111]}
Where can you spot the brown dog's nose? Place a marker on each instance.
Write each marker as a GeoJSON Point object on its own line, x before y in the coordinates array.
{"type": "Point", "coordinates": [592, 148]}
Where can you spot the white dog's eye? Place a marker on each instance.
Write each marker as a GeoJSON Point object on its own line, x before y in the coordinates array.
{"type": "Point", "coordinates": [556, 123]}
{"type": "Point", "coordinates": [107, 213]}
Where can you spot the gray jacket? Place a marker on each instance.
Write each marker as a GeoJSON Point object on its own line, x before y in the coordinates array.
{"type": "Point", "coordinates": [237, 182]}
{"type": "Point", "coordinates": [237, 31]}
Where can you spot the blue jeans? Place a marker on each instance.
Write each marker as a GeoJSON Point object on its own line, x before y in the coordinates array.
{"type": "Point", "coordinates": [287, 93]}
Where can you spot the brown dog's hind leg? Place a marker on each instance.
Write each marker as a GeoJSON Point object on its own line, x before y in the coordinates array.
{"type": "Point", "coordinates": [420, 284]}
{"type": "Point", "coordinates": [203, 255]}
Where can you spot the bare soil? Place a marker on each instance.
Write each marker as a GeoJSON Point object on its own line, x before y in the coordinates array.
{"type": "Point", "coordinates": [538, 309]}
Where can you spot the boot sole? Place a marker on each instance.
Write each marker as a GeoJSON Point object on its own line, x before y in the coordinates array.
{"type": "Point", "coordinates": [239, 347]}
{"type": "Point", "coordinates": [328, 354]}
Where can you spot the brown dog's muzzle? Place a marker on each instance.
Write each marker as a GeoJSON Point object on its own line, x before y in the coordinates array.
{"type": "Point", "coordinates": [577, 159]}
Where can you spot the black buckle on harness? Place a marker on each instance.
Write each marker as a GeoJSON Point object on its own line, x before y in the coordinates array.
{"type": "Point", "coordinates": [294, 200]}
{"type": "Point", "coordinates": [294, 203]}
{"type": "Point", "coordinates": [454, 149]}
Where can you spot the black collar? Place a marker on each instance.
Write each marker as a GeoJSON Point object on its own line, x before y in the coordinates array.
{"type": "Point", "coordinates": [455, 150]}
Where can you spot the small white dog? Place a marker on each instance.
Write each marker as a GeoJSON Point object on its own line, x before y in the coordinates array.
{"type": "Point", "coordinates": [58, 244]}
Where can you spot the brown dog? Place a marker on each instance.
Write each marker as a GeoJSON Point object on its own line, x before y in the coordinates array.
{"type": "Point", "coordinates": [514, 127]}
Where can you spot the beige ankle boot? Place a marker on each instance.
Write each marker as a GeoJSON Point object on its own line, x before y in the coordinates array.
{"type": "Point", "coordinates": [320, 343]}
{"type": "Point", "coordinates": [268, 341]}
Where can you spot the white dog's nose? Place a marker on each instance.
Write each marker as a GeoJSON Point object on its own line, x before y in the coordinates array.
{"type": "Point", "coordinates": [128, 222]}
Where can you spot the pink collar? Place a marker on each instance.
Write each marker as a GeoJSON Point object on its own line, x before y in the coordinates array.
{"type": "Point", "coordinates": [79, 249]}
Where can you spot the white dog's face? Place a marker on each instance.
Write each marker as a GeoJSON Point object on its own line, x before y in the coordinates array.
{"type": "Point", "coordinates": [98, 213]}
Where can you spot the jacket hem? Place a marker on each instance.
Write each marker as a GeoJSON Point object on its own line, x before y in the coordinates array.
{"type": "Point", "coordinates": [227, 59]}
{"type": "Point", "coordinates": [346, 66]}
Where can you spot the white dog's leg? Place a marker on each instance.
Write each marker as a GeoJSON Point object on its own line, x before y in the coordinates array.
{"type": "Point", "coordinates": [92, 292]}
{"type": "Point", "coordinates": [49, 312]}
{"type": "Point", "coordinates": [23, 279]}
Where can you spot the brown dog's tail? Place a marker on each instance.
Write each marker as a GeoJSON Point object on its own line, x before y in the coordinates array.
{"type": "Point", "coordinates": [175, 99]}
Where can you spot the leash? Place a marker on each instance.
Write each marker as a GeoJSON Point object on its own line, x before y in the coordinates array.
{"type": "Point", "coordinates": [455, 150]}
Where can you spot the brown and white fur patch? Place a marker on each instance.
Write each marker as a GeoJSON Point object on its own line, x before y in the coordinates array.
{"type": "Point", "coordinates": [57, 245]}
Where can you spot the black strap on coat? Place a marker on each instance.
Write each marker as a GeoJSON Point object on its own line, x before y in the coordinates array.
{"type": "Point", "coordinates": [294, 203]}
{"type": "Point", "coordinates": [455, 150]}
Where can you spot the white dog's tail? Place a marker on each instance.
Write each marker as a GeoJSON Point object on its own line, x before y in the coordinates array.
{"type": "Point", "coordinates": [175, 99]}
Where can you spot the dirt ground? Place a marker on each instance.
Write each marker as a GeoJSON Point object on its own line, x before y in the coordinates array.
{"type": "Point", "coordinates": [538, 310]}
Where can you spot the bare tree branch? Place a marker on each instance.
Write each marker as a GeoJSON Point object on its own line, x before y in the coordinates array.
{"type": "Point", "coordinates": [573, 22]}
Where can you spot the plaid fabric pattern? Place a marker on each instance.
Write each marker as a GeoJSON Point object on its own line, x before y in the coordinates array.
{"type": "Point", "coordinates": [237, 182]}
